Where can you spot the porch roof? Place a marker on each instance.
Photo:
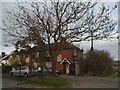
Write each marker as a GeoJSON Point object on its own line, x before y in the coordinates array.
{"type": "Point", "coordinates": [65, 60]}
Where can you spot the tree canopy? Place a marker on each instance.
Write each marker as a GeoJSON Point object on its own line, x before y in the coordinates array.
{"type": "Point", "coordinates": [48, 21]}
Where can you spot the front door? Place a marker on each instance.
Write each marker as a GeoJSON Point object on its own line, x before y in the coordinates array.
{"type": "Point", "coordinates": [66, 65]}
{"type": "Point", "coordinates": [64, 68]}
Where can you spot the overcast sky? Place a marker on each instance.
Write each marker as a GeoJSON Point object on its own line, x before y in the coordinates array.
{"type": "Point", "coordinates": [109, 45]}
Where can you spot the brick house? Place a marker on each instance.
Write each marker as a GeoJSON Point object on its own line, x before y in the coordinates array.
{"type": "Point", "coordinates": [68, 58]}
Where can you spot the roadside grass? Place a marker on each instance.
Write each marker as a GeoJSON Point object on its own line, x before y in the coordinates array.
{"type": "Point", "coordinates": [104, 74]}
{"type": "Point", "coordinates": [15, 78]}
{"type": "Point", "coordinates": [22, 79]}
{"type": "Point", "coordinates": [117, 75]}
{"type": "Point", "coordinates": [6, 75]}
{"type": "Point", "coordinates": [117, 72]}
{"type": "Point", "coordinates": [49, 81]}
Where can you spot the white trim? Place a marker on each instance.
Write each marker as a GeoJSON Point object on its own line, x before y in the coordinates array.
{"type": "Point", "coordinates": [4, 57]}
{"type": "Point", "coordinates": [66, 60]}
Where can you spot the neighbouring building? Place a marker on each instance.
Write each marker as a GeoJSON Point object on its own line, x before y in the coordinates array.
{"type": "Point", "coordinates": [116, 63]}
{"type": "Point", "coordinates": [10, 59]}
{"type": "Point", "coordinates": [4, 60]}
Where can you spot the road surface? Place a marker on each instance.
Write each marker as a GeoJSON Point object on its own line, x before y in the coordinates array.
{"type": "Point", "coordinates": [92, 82]}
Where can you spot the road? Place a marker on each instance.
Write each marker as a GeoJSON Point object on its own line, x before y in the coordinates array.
{"type": "Point", "coordinates": [92, 82]}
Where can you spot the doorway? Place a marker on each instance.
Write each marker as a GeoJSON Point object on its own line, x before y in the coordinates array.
{"type": "Point", "coordinates": [66, 64]}
{"type": "Point", "coordinates": [64, 68]}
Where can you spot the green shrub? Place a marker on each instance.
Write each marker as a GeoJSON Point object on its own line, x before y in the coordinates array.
{"type": "Point", "coordinates": [116, 72]}
{"type": "Point", "coordinates": [105, 74]}
{"type": "Point", "coordinates": [6, 69]}
{"type": "Point", "coordinates": [98, 62]}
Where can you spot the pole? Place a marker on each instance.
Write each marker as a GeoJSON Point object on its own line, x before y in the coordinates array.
{"type": "Point", "coordinates": [91, 40]}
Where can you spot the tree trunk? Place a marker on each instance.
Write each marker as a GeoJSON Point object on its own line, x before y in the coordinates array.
{"type": "Point", "coordinates": [53, 55]}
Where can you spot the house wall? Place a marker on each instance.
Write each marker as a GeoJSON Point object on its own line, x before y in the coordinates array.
{"type": "Point", "coordinates": [68, 53]}
{"type": "Point", "coordinates": [5, 62]}
{"type": "Point", "coordinates": [41, 61]}
{"type": "Point", "coordinates": [59, 67]}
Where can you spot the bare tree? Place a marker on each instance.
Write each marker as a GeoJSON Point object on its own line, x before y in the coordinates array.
{"type": "Point", "coordinates": [50, 22]}
{"type": "Point", "coordinates": [101, 26]}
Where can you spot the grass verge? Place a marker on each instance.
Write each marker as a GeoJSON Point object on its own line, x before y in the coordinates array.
{"type": "Point", "coordinates": [49, 81]}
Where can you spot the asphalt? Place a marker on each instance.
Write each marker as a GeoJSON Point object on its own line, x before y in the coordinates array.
{"type": "Point", "coordinates": [92, 82]}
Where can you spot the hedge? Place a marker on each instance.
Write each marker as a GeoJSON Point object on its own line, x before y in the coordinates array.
{"type": "Point", "coordinates": [6, 69]}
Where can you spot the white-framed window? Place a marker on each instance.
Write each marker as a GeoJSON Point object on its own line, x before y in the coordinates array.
{"type": "Point", "coordinates": [59, 58]}
{"type": "Point", "coordinates": [27, 59]}
{"type": "Point", "coordinates": [37, 55]}
{"type": "Point", "coordinates": [75, 52]}
{"type": "Point", "coordinates": [48, 64]}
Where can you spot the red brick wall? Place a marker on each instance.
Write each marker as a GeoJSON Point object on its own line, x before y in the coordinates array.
{"type": "Point", "coordinates": [66, 53]}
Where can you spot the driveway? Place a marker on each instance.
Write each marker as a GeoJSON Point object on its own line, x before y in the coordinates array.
{"type": "Point", "coordinates": [92, 82]}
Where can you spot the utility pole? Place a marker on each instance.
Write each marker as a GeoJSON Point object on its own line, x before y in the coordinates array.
{"type": "Point", "coordinates": [91, 32]}
{"type": "Point", "coordinates": [91, 40]}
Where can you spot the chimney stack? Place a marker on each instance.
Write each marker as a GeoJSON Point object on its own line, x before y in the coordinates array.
{"type": "Point", "coordinates": [3, 54]}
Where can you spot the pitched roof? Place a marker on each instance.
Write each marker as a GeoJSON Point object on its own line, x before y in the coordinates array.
{"type": "Point", "coordinates": [64, 46]}
{"type": "Point", "coordinates": [5, 57]}
{"type": "Point", "coordinates": [53, 46]}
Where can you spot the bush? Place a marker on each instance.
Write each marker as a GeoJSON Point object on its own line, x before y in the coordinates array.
{"type": "Point", "coordinates": [98, 62]}
{"type": "Point", "coordinates": [6, 69]}
{"type": "Point", "coordinates": [105, 74]}
{"type": "Point", "coordinates": [116, 72]}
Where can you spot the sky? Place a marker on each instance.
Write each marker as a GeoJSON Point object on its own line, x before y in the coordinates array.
{"type": "Point", "coordinates": [109, 45]}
